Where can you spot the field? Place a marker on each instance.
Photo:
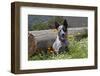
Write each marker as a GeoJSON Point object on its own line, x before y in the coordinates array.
{"type": "Point", "coordinates": [40, 27]}
{"type": "Point", "coordinates": [77, 48]}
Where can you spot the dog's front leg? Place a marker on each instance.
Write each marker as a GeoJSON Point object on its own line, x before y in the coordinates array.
{"type": "Point", "coordinates": [56, 47]}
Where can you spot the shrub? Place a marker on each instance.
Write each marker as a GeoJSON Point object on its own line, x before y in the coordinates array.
{"type": "Point", "coordinates": [78, 49]}
{"type": "Point", "coordinates": [40, 26]}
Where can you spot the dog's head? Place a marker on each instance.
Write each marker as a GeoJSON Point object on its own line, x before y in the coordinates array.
{"type": "Point", "coordinates": [62, 29]}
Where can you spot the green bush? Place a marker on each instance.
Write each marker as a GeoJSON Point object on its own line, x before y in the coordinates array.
{"type": "Point", "coordinates": [78, 49]}
{"type": "Point", "coordinates": [43, 25]}
{"type": "Point", "coordinates": [40, 26]}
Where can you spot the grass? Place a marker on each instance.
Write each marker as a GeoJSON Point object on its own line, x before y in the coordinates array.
{"type": "Point", "coordinates": [76, 49]}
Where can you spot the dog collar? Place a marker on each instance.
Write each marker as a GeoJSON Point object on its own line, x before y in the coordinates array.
{"type": "Point", "coordinates": [64, 42]}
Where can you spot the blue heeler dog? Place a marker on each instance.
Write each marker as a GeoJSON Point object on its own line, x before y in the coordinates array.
{"type": "Point", "coordinates": [61, 40]}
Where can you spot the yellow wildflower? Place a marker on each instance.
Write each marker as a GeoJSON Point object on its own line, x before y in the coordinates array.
{"type": "Point", "coordinates": [48, 48]}
{"type": "Point", "coordinates": [78, 33]}
{"type": "Point", "coordinates": [70, 36]}
{"type": "Point", "coordinates": [51, 51]}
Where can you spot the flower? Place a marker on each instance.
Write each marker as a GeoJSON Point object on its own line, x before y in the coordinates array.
{"type": "Point", "coordinates": [71, 37]}
{"type": "Point", "coordinates": [50, 50]}
{"type": "Point", "coordinates": [78, 33]}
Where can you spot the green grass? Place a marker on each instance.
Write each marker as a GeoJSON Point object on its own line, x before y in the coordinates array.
{"type": "Point", "coordinates": [76, 49]}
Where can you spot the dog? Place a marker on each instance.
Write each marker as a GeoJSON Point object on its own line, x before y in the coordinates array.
{"type": "Point", "coordinates": [61, 41]}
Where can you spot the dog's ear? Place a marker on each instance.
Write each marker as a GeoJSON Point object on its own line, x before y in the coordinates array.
{"type": "Point", "coordinates": [56, 25]}
{"type": "Point", "coordinates": [65, 24]}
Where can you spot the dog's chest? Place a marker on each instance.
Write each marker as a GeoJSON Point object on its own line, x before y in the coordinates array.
{"type": "Point", "coordinates": [57, 44]}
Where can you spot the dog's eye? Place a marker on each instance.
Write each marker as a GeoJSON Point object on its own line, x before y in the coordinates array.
{"type": "Point", "coordinates": [59, 30]}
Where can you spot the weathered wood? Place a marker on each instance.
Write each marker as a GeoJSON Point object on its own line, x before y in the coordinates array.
{"type": "Point", "coordinates": [46, 38]}
{"type": "Point", "coordinates": [31, 44]}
